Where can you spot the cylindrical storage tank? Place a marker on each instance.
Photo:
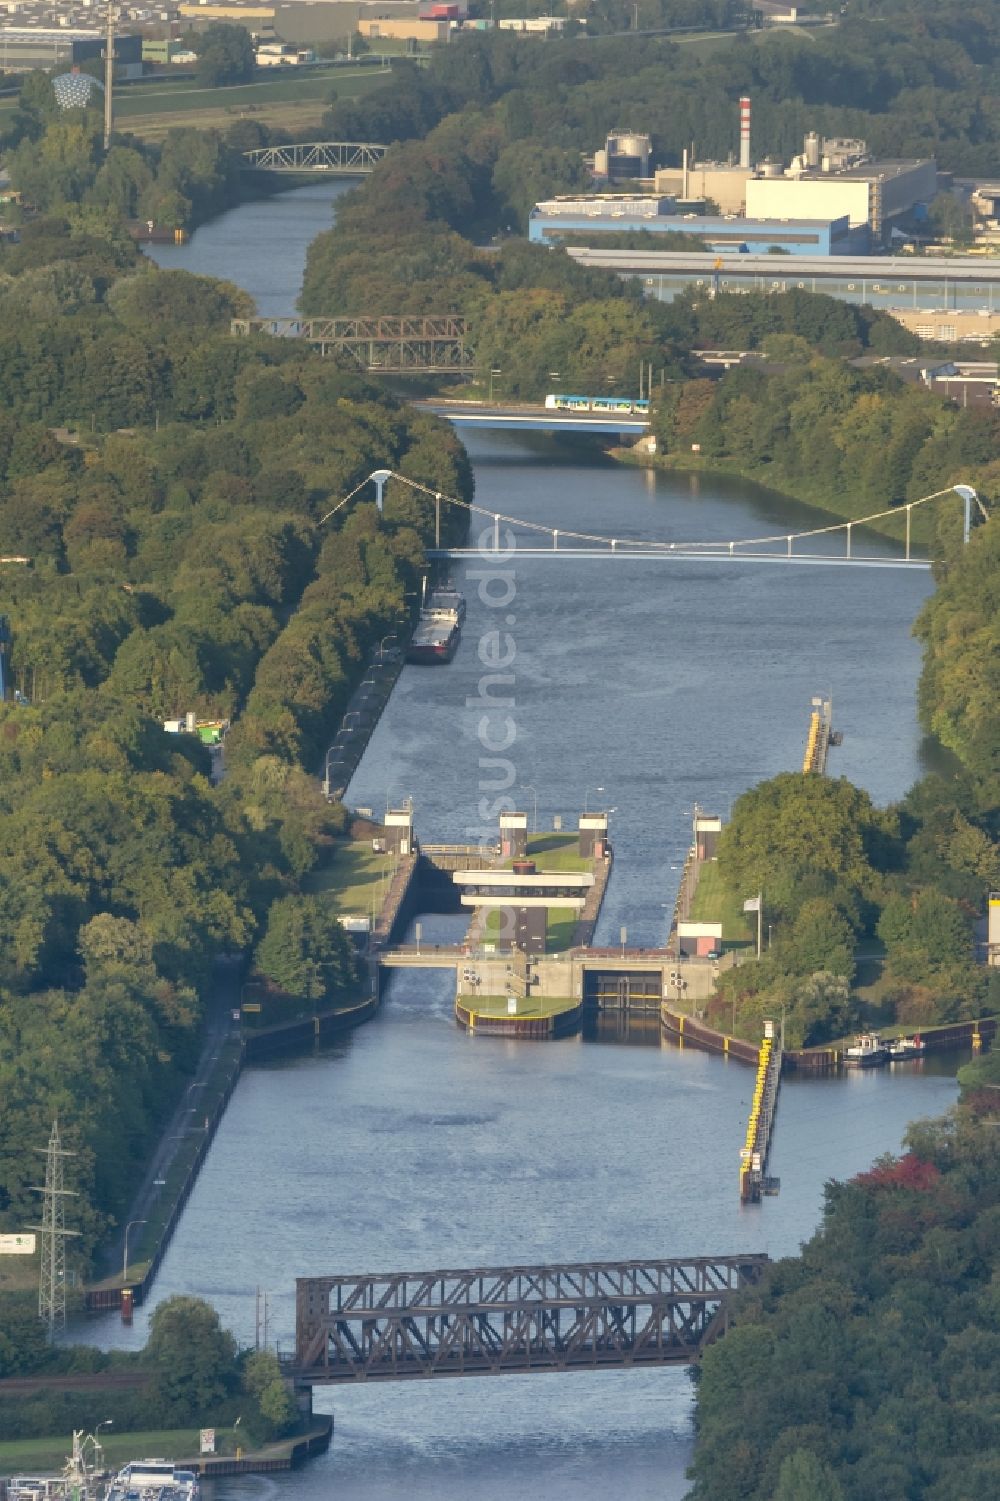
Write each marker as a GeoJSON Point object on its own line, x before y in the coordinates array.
{"type": "Point", "coordinates": [628, 154]}
{"type": "Point", "coordinates": [772, 168]}
{"type": "Point", "coordinates": [811, 144]}
{"type": "Point", "coordinates": [523, 867]}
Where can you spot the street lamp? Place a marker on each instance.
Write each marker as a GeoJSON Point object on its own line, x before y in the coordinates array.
{"type": "Point", "coordinates": [381, 645]}
{"type": "Point", "coordinates": [586, 796]}
{"type": "Point", "coordinates": [493, 375]}
{"type": "Point", "coordinates": [326, 772]}
{"type": "Point", "coordinates": [527, 787]}
{"type": "Point", "coordinates": [98, 1449]}
{"type": "Point", "coordinates": [128, 1227]}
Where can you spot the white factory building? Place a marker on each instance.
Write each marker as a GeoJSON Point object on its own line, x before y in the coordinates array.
{"type": "Point", "coordinates": [830, 179]}
{"type": "Point", "coordinates": [836, 177]}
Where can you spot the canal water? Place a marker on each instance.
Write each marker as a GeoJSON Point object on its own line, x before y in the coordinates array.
{"type": "Point", "coordinates": [641, 687]}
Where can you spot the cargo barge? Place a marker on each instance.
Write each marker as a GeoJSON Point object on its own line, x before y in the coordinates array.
{"type": "Point", "coordinates": [434, 640]}
{"type": "Point", "coordinates": [444, 602]}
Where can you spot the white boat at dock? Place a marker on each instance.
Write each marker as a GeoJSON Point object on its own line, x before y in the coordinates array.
{"type": "Point", "coordinates": [905, 1049]}
{"type": "Point", "coordinates": [153, 1480]}
{"type": "Point", "coordinates": [867, 1051]}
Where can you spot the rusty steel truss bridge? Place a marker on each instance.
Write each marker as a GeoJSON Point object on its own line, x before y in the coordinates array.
{"type": "Point", "coordinates": [490, 1321]}
{"type": "Point", "coordinates": [315, 158]}
{"type": "Point", "coordinates": [381, 346]}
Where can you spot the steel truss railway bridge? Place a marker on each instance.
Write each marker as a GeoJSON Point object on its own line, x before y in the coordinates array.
{"type": "Point", "coordinates": [317, 158]}
{"type": "Point", "coordinates": [380, 346]}
{"type": "Point", "coordinates": [587, 1316]}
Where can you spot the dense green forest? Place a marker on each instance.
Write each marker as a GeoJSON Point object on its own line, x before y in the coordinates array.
{"type": "Point", "coordinates": [854, 441]}
{"type": "Point", "coordinates": [840, 876]}
{"type": "Point", "coordinates": [868, 1366]}
{"type": "Point", "coordinates": [165, 481]}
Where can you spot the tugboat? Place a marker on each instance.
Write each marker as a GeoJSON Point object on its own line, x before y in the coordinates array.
{"type": "Point", "coordinates": [904, 1049]}
{"type": "Point", "coordinates": [867, 1051]}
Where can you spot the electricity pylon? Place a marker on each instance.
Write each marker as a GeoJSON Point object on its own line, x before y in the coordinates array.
{"type": "Point", "coordinates": [52, 1270]}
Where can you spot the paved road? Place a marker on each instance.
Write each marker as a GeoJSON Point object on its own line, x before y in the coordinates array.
{"type": "Point", "coordinates": [225, 999]}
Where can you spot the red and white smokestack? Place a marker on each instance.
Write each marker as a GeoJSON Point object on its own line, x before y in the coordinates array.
{"type": "Point", "coordinates": [745, 132]}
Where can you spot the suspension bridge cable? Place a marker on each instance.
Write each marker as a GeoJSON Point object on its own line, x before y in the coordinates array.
{"type": "Point", "coordinates": [615, 542]}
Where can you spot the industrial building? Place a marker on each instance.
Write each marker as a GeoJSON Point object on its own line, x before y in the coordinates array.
{"type": "Point", "coordinates": [872, 194]}
{"type": "Point", "coordinates": [869, 192]}
{"type": "Point", "coordinates": [23, 48]}
{"type": "Point", "coordinates": [406, 29]}
{"type": "Point", "coordinates": [324, 24]}
{"type": "Point", "coordinates": [829, 179]}
{"type": "Point", "coordinates": [532, 25]}
{"type": "Point", "coordinates": [551, 221]}
{"type": "Point", "coordinates": [722, 183]}
{"type": "Point", "coordinates": [945, 299]}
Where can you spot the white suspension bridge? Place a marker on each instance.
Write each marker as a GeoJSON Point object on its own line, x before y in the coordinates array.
{"type": "Point", "coordinates": [533, 539]}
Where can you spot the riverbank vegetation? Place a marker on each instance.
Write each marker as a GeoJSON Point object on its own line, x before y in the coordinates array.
{"type": "Point", "coordinates": [189, 1375]}
{"type": "Point", "coordinates": [840, 877]}
{"type": "Point", "coordinates": [166, 483]}
{"type": "Point", "coordinates": [852, 441]}
{"type": "Point", "coordinates": [867, 1365]}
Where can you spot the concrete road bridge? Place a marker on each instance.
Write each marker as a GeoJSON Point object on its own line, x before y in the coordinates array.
{"type": "Point", "coordinates": [490, 1321]}
{"type": "Point", "coordinates": [317, 158]}
{"type": "Point", "coordinates": [533, 417]}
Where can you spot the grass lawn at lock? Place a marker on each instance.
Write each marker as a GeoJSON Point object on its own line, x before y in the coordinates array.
{"type": "Point", "coordinates": [30, 1456]}
{"type": "Point", "coordinates": [534, 1006]}
{"type": "Point", "coordinates": [712, 903]}
{"type": "Point", "coordinates": [355, 878]}
{"type": "Point", "coordinates": [560, 927]}
{"type": "Point", "coordinates": [556, 852]}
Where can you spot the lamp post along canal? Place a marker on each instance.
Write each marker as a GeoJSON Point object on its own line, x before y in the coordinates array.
{"type": "Point", "coordinates": [128, 1227]}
